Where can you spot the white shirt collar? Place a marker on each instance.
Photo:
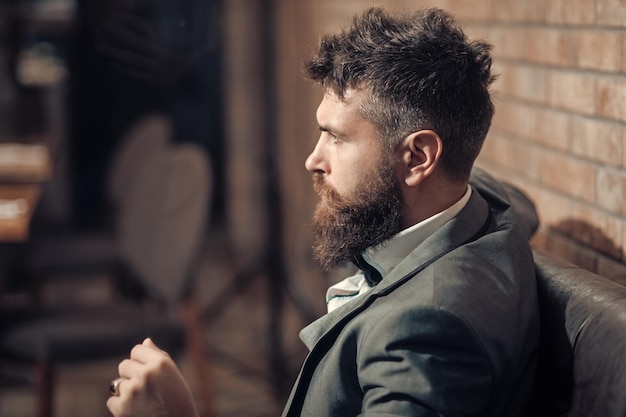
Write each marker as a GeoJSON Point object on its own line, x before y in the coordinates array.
{"type": "Point", "coordinates": [387, 256]}
{"type": "Point", "coordinates": [384, 258]}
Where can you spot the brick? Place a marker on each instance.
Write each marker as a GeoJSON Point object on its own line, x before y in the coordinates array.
{"type": "Point", "coordinates": [520, 11]}
{"type": "Point", "coordinates": [490, 164]}
{"type": "Point", "coordinates": [550, 46]}
{"type": "Point", "coordinates": [611, 97]}
{"type": "Point", "coordinates": [572, 91]}
{"type": "Point", "coordinates": [624, 51]}
{"type": "Point", "coordinates": [611, 13]}
{"type": "Point", "coordinates": [623, 238]}
{"type": "Point", "coordinates": [573, 177]}
{"type": "Point", "coordinates": [550, 128]}
{"type": "Point", "coordinates": [624, 147]}
{"type": "Point", "coordinates": [511, 117]}
{"type": "Point", "coordinates": [518, 156]}
{"type": "Point", "coordinates": [514, 155]}
{"type": "Point", "coordinates": [513, 43]}
{"type": "Point", "coordinates": [523, 82]}
{"type": "Point", "coordinates": [553, 207]}
{"type": "Point", "coordinates": [527, 164]}
{"type": "Point", "coordinates": [598, 50]}
{"type": "Point", "coordinates": [494, 35]}
{"type": "Point", "coordinates": [501, 70]}
{"type": "Point", "coordinates": [328, 17]}
{"type": "Point", "coordinates": [488, 33]}
{"type": "Point", "coordinates": [463, 9]}
{"type": "Point", "coordinates": [527, 185]}
{"type": "Point", "coordinates": [490, 150]}
{"type": "Point", "coordinates": [610, 189]}
{"type": "Point", "coordinates": [491, 159]}
{"type": "Point", "coordinates": [574, 12]}
{"type": "Point", "coordinates": [597, 140]}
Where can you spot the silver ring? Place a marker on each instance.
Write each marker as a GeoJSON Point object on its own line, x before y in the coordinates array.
{"type": "Point", "coordinates": [114, 388]}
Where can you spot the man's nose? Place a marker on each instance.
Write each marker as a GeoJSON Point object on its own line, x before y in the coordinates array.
{"type": "Point", "coordinates": [316, 161]}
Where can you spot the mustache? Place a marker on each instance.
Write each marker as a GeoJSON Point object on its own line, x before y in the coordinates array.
{"type": "Point", "coordinates": [318, 182]}
{"type": "Point", "coordinates": [325, 191]}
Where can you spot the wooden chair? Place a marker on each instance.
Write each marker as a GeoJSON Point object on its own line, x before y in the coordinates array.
{"type": "Point", "coordinates": [159, 235]}
{"type": "Point", "coordinates": [63, 253]}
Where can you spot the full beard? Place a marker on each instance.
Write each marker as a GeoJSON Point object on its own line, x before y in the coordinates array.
{"type": "Point", "coordinates": [344, 227]}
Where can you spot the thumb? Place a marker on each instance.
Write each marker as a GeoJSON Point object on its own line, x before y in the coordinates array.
{"type": "Point", "coordinates": [149, 343]}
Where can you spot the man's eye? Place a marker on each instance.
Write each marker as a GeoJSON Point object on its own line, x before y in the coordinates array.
{"type": "Point", "coordinates": [331, 136]}
{"type": "Point", "coordinates": [334, 138]}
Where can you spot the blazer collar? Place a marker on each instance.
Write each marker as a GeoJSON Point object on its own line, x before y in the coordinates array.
{"type": "Point", "coordinates": [461, 229]}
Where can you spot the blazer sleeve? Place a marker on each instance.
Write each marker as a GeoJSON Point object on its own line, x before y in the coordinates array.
{"type": "Point", "coordinates": [423, 362]}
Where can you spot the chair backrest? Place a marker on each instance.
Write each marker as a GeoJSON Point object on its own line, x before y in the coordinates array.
{"type": "Point", "coordinates": [582, 358]}
{"type": "Point", "coordinates": [147, 138]}
{"type": "Point", "coordinates": [164, 219]}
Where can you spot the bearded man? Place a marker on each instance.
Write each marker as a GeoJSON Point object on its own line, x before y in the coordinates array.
{"type": "Point", "coordinates": [442, 318]}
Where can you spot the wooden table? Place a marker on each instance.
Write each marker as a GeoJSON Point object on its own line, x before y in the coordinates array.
{"type": "Point", "coordinates": [17, 204]}
{"type": "Point", "coordinates": [23, 171]}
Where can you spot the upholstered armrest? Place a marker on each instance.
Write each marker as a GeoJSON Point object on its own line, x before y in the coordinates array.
{"type": "Point", "coordinates": [582, 358]}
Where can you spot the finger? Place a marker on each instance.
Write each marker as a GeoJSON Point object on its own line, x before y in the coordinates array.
{"type": "Point", "coordinates": [130, 368]}
{"type": "Point", "coordinates": [117, 406]}
{"type": "Point", "coordinates": [149, 343]}
{"type": "Point", "coordinates": [113, 404]}
{"type": "Point", "coordinates": [146, 353]}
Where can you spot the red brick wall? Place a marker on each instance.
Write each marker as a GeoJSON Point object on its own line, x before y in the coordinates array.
{"type": "Point", "coordinates": [559, 131]}
{"type": "Point", "coordinates": [560, 125]}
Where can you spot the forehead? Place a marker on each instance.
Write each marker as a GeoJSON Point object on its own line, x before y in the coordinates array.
{"type": "Point", "coordinates": [335, 112]}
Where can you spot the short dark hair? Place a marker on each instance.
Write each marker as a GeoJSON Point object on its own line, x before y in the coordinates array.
{"type": "Point", "coordinates": [422, 73]}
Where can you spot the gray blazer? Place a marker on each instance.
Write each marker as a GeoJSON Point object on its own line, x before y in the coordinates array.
{"type": "Point", "coordinates": [451, 331]}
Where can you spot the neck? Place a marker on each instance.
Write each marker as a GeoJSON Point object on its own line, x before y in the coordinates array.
{"type": "Point", "coordinates": [431, 196]}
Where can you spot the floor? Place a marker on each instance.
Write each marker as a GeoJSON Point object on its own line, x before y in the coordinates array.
{"type": "Point", "coordinates": [245, 376]}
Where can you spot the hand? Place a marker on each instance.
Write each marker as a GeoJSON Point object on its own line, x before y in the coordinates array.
{"type": "Point", "coordinates": [152, 386]}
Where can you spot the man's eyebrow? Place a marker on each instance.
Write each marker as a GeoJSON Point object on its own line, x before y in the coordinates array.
{"type": "Point", "coordinates": [328, 129]}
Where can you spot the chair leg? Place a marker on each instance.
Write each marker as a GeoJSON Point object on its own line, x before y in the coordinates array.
{"type": "Point", "coordinates": [198, 354]}
{"type": "Point", "coordinates": [45, 403]}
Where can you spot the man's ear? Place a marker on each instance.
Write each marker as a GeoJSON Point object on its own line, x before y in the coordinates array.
{"type": "Point", "coordinates": [420, 153]}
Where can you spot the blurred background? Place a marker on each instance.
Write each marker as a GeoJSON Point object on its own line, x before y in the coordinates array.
{"type": "Point", "coordinates": [92, 89]}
